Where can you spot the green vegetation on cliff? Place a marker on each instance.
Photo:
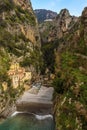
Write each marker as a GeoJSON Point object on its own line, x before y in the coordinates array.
{"type": "Point", "coordinates": [68, 59]}
{"type": "Point", "coordinates": [4, 66]}
{"type": "Point", "coordinates": [70, 84]}
{"type": "Point", "coordinates": [18, 36]}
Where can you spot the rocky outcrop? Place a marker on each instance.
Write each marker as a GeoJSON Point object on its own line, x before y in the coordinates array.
{"type": "Point", "coordinates": [64, 22]}
{"type": "Point", "coordinates": [84, 23]}
{"type": "Point", "coordinates": [43, 14]}
{"type": "Point", "coordinates": [25, 4]}
{"type": "Point", "coordinates": [24, 19]}
{"type": "Point", "coordinates": [18, 22]}
{"type": "Point", "coordinates": [59, 27]}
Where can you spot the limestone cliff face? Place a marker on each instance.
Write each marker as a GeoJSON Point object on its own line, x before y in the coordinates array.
{"type": "Point", "coordinates": [71, 63]}
{"type": "Point", "coordinates": [68, 45]}
{"type": "Point", "coordinates": [19, 41]}
{"type": "Point", "coordinates": [64, 21]}
{"type": "Point", "coordinates": [29, 31]}
{"type": "Point", "coordinates": [18, 22]}
{"type": "Point", "coordinates": [25, 4]}
{"type": "Point", "coordinates": [57, 28]}
{"type": "Point", "coordinates": [20, 14]}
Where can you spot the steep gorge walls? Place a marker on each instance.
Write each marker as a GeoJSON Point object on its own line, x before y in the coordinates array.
{"type": "Point", "coordinates": [71, 78]}
{"type": "Point", "coordinates": [68, 59]}
{"type": "Point", "coordinates": [19, 42]}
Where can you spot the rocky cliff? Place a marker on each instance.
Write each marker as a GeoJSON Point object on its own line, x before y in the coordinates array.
{"type": "Point", "coordinates": [57, 28]}
{"type": "Point", "coordinates": [19, 42]}
{"type": "Point", "coordinates": [84, 23]}
{"type": "Point", "coordinates": [71, 70]}
{"type": "Point", "coordinates": [65, 55]}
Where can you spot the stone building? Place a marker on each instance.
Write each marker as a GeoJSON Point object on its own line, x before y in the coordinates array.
{"type": "Point", "coordinates": [18, 75]}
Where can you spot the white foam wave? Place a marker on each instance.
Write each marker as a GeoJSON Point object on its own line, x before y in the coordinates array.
{"type": "Point", "coordinates": [15, 113]}
{"type": "Point", "coordinates": [39, 117]}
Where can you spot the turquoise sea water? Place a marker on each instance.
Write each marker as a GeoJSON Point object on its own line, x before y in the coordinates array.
{"type": "Point", "coordinates": [25, 121]}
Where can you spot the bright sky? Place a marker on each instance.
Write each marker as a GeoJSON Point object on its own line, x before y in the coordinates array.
{"type": "Point", "coordinates": [75, 7]}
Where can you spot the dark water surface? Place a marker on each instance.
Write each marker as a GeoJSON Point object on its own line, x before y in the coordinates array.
{"type": "Point", "coordinates": [25, 121]}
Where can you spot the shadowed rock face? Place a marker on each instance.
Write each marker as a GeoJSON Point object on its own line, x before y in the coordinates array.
{"type": "Point", "coordinates": [84, 23]}
{"type": "Point", "coordinates": [84, 16]}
